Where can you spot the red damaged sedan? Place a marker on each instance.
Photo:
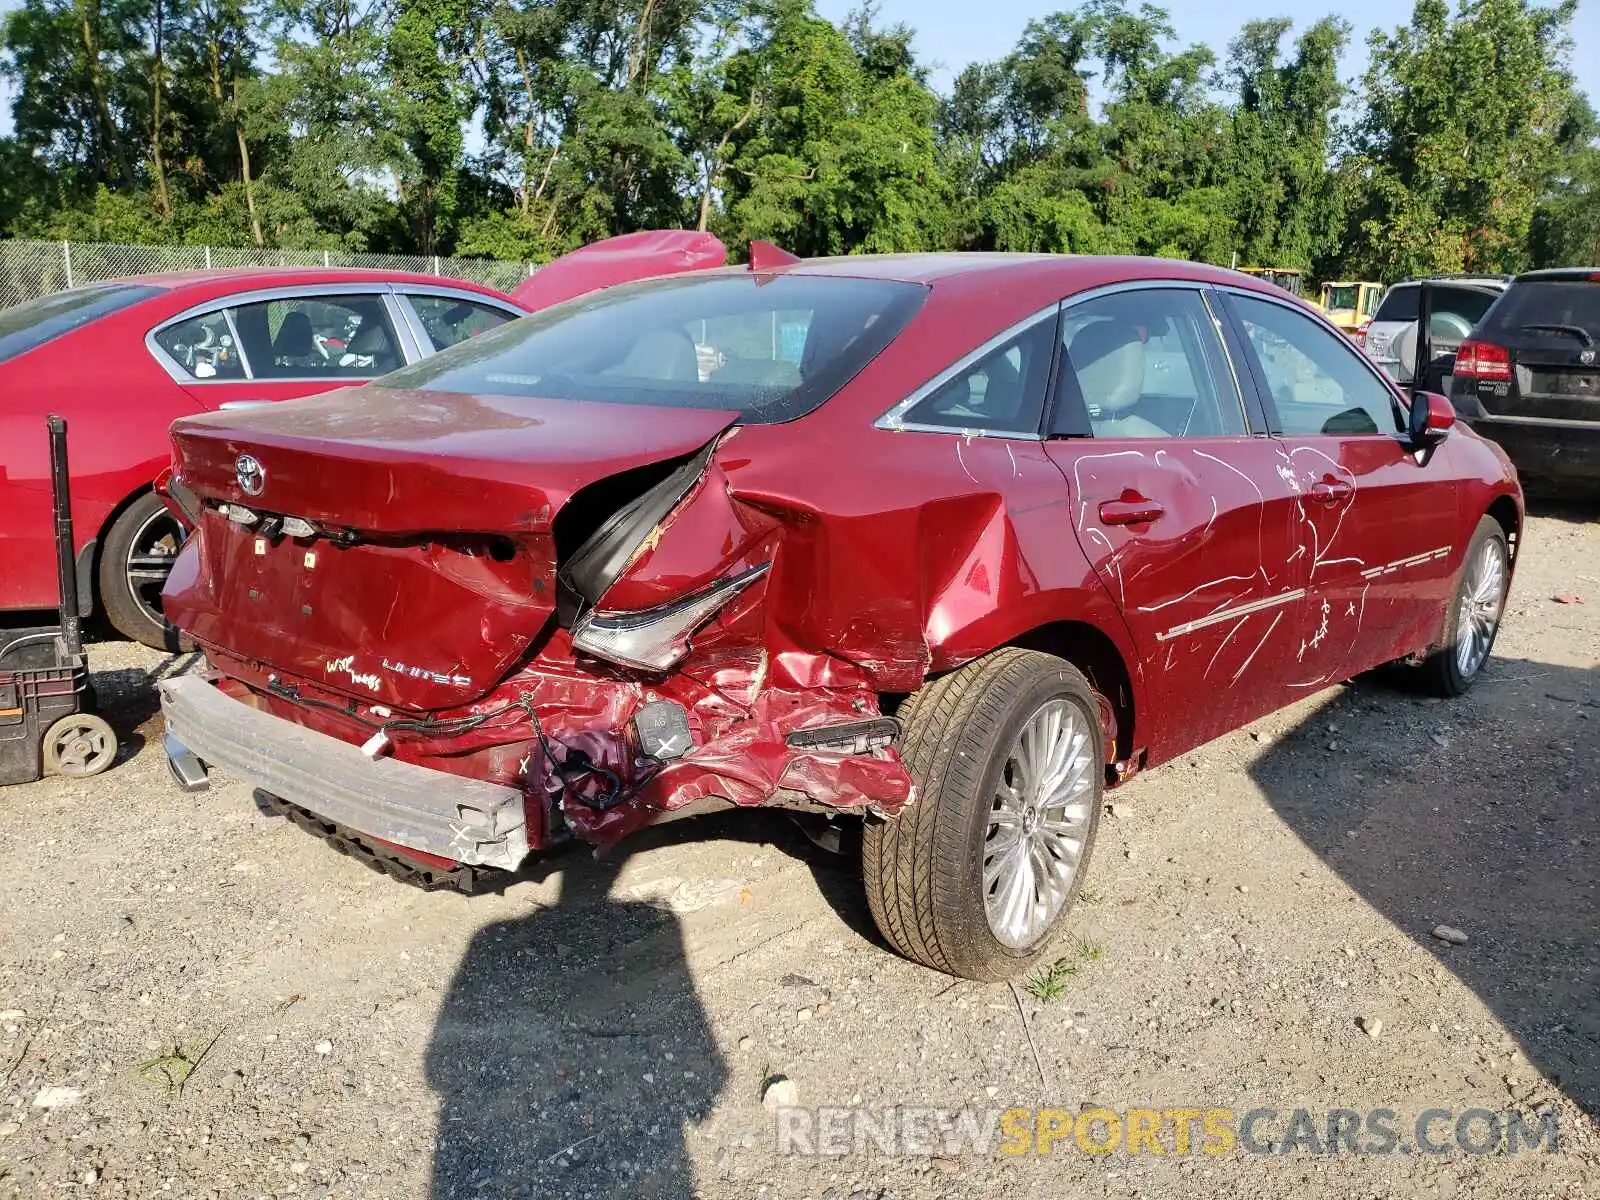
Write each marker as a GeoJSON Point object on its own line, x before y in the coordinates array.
{"type": "Point", "coordinates": [951, 543]}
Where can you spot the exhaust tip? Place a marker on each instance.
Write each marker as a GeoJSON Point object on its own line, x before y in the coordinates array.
{"type": "Point", "coordinates": [185, 767]}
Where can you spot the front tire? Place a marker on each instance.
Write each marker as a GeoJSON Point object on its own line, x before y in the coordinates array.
{"type": "Point", "coordinates": [137, 557]}
{"type": "Point", "coordinates": [975, 876]}
{"type": "Point", "coordinates": [1473, 619]}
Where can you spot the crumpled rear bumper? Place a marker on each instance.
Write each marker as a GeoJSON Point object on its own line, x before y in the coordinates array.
{"type": "Point", "coordinates": [470, 821]}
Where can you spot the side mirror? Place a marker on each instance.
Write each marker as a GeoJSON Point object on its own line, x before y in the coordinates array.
{"type": "Point", "coordinates": [1432, 417]}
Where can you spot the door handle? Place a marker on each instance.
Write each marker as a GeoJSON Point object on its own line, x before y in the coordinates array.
{"type": "Point", "coordinates": [1130, 510]}
{"type": "Point", "coordinates": [1330, 491]}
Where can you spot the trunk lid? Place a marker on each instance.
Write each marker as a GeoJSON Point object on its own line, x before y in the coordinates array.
{"type": "Point", "coordinates": [433, 565]}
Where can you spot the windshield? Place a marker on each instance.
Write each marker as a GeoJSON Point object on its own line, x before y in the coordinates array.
{"type": "Point", "coordinates": [1342, 296]}
{"type": "Point", "coordinates": [769, 347]}
{"type": "Point", "coordinates": [25, 327]}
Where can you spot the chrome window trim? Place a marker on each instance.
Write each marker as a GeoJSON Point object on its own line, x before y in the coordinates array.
{"type": "Point", "coordinates": [382, 291]}
{"type": "Point", "coordinates": [1318, 319]}
{"type": "Point", "coordinates": [894, 418]}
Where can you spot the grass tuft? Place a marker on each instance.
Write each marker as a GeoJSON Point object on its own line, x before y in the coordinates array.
{"type": "Point", "coordinates": [1050, 982]}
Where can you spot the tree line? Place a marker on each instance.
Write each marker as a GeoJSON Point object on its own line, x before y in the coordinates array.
{"type": "Point", "coordinates": [521, 129]}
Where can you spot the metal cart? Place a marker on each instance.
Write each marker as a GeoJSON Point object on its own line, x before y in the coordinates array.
{"type": "Point", "coordinates": [47, 718]}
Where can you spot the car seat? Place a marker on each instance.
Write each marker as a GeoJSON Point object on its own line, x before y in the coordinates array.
{"type": "Point", "coordinates": [1108, 359]}
{"type": "Point", "coordinates": [661, 354]}
{"type": "Point", "coordinates": [294, 346]}
{"type": "Point", "coordinates": [373, 339]}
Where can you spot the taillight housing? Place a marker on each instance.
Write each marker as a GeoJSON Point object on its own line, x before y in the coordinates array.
{"type": "Point", "coordinates": [1361, 334]}
{"type": "Point", "coordinates": [1483, 360]}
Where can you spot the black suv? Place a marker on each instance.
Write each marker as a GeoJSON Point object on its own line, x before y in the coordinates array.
{"type": "Point", "coordinates": [1529, 377]}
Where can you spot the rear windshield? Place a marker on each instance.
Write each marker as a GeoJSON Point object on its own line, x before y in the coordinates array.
{"type": "Point", "coordinates": [25, 327]}
{"type": "Point", "coordinates": [1544, 303]}
{"type": "Point", "coordinates": [1404, 303]}
{"type": "Point", "coordinates": [770, 348]}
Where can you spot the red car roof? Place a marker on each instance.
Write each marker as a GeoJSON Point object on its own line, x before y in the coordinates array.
{"type": "Point", "coordinates": [220, 281]}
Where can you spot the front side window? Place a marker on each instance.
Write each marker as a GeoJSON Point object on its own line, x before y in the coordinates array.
{"type": "Point", "coordinates": [449, 320]}
{"type": "Point", "coordinates": [26, 326]}
{"type": "Point", "coordinates": [203, 347]}
{"type": "Point", "coordinates": [318, 337]}
{"type": "Point", "coordinates": [1148, 364]}
{"type": "Point", "coordinates": [1318, 381]}
{"type": "Point", "coordinates": [1002, 392]}
{"type": "Point", "coordinates": [768, 347]}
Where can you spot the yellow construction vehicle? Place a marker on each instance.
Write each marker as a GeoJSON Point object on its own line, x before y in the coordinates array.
{"type": "Point", "coordinates": [1290, 279]}
{"type": "Point", "coordinates": [1350, 305]}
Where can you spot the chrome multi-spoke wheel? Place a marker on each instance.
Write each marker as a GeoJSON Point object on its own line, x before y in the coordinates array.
{"type": "Point", "coordinates": [1472, 619]}
{"type": "Point", "coordinates": [1038, 823]}
{"type": "Point", "coordinates": [977, 873]}
{"type": "Point", "coordinates": [1483, 592]}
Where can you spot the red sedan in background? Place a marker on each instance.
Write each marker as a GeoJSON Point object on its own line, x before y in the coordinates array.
{"type": "Point", "coordinates": [122, 359]}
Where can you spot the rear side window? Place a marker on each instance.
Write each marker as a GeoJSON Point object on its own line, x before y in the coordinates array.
{"type": "Point", "coordinates": [28, 326]}
{"type": "Point", "coordinates": [450, 320]}
{"type": "Point", "coordinates": [1002, 393]}
{"type": "Point", "coordinates": [768, 347]}
{"type": "Point", "coordinates": [1531, 307]}
{"type": "Point", "coordinates": [1401, 304]}
{"type": "Point", "coordinates": [203, 347]}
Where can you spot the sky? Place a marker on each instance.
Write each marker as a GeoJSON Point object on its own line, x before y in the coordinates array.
{"type": "Point", "coordinates": [953, 33]}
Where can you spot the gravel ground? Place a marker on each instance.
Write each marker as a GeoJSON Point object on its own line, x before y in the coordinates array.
{"type": "Point", "coordinates": [198, 999]}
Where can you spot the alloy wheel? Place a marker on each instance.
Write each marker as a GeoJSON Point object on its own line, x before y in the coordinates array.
{"type": "Point", "coordinates": [1482, 597]}
{"type": "Point", "coordinates": [1038, 823]}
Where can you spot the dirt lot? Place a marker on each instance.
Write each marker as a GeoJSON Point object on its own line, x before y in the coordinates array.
{"type": "Point", "coordinates": [197, 999]}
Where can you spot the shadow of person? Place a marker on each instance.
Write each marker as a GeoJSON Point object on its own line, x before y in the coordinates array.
{"type": "Point", "coordinates": [572, 1052]}
{"type": "Point", "coordinates": [1481, 814]}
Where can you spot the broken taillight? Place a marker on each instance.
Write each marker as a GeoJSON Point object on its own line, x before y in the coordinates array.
{"type": "Point", "coordinates": [657, 638]}
{"type": "Point", "coordinates": [1482, 360]}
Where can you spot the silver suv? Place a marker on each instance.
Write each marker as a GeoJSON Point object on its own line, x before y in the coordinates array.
{"type": "Point", "coordinates": [1455, 303]}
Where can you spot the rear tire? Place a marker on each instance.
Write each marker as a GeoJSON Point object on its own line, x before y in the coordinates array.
{"type": "Point", "coordinates": [936, 873]}
{"type": "Point", "coordinates": [1473, 619]}
{"type": "Point", "coordinates": [138, 551]}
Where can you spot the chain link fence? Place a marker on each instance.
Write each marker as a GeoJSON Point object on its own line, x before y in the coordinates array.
{"type": "Point", "coordinates": [29, 269]}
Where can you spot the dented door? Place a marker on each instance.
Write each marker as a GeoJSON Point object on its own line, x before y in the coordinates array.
{"type": "Point", "coordinates": [1183, 510]}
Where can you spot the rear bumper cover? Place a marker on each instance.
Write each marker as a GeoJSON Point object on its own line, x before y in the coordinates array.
{"type": "Point", "coordinates": [466, 820]}
{"type": "Point", "coordinates": [1555, 450]}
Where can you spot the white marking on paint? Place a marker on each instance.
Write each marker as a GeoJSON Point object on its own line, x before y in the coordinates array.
{"type": "Point", "coordinates": [343, 666]}
{"type": "Point", "coordinates": [1245, 665]}
{"type": "Point", "coordinates": [963, 463]}
{"type": "Point", "coordinates": [1192, 591]}
{"type": "Point", "coordinates": [1223, 645]}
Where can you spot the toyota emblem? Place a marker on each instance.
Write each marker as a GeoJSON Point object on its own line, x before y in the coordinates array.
{"type": "Point", "coordinates": [1586, 357]}
{"type": "Point", "coordinates": [252, 476]}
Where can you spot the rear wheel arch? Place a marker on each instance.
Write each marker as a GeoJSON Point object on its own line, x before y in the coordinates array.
{"type": "Point", "coordinates": [1103, 664]}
